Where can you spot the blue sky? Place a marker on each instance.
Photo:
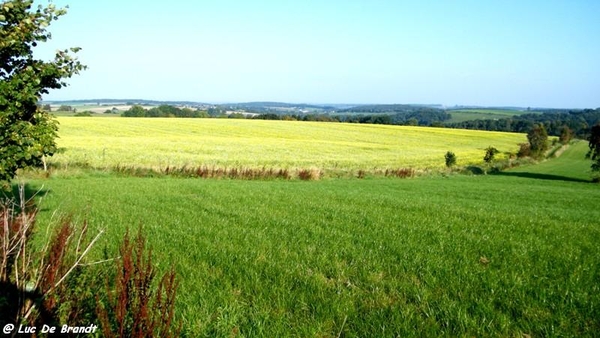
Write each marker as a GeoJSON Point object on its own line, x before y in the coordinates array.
{"type": "Point", "coordinates": [489, 53]}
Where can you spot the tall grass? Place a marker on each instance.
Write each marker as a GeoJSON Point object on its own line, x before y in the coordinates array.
{"type": "Point", "coordinates": [455, 256]}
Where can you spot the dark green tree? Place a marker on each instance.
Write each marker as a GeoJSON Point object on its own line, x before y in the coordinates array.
{"type": "Point", "coordinates": [490, 153]}
{"type": "Point", "coordinates": [27, 132]}
{"type": "Point", "coordinates": [538, 140]}
{"type": "Point", "coordinates": [594, 144]}
{"type": "Point", "coordinates": [450, 159]}
{"type": "Point", "coordinates": [65, 107]}
{"type": "Point", "coordinates": [135, 111]}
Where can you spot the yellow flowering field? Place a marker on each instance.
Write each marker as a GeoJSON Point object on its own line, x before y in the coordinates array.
{"type": "Point", "coordinates": [161, 142]}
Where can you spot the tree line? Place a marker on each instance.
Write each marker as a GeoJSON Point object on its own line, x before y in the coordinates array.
{"type": "Point", "coordinates": [578, 121]}
{"type": "Point", "coordinates": [416, 117]}
{"type": "Point", "coordinates": [165, 110]}
{"type": "Point", "coordinates": [419, 117]}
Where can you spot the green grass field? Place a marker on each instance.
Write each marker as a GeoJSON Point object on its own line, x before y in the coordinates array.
{"type": "Point", "coordinates": [571, 166]}
{"type": "Point", "coordinates": [158, 143]}
{"type": "Point", "coordinates": [489, 255]}
{"type": "Point", "coordinates": [462, 115]}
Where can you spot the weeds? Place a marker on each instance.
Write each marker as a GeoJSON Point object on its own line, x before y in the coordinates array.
{"type": "Point", "coordinates": [312, 174]}
{"type": "Point", "coordinates": [400, 172]}
{"type": "Point", "coordinates": [134, 309]}
{"type": "Point", "coordinates": [34, 282]}
{"type": "Point", "coordinates": [52, 286]}
{"type": "Point", "coordinates": [244, 173]}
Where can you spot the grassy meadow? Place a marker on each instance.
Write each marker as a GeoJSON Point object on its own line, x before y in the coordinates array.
{"type": "Point", "coordinates": [158, 143]}
{"type": "Point", "coordinates": [489, 255]}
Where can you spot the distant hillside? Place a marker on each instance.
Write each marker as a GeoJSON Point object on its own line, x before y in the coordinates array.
{"type": "Point", "coordinates": [389, 108]}
{"type": "Point", "coordinates": [129, 102]}
{"type": "Point", "coordinates": [278, 107]}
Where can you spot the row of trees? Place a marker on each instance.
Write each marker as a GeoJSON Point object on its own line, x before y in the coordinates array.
{"type": "Point", "coordinates": [579, 122]}
{"type": "Point", "coordinates": [164, 111]}
{"type": "Point", "coordinates": [415, 118]}
{"type": "Point", "coordinates": [536, 147]}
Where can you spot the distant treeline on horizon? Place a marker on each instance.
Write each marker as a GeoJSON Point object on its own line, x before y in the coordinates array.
{"type": "Point", "coordinates": [554, 120]}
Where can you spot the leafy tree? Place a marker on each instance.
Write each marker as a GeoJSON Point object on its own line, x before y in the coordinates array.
{"type": "Point", "coordinates": [490, 153]}
{"type": "Point", "coordinates": [135, 111]}
{"type": "Point", "coordinates": [538, 140]}
{"type": "Point", "coordinates": [566, 134]}
{"type": "Point", "coordinates": [27, 132]}
{"type": "Point", "coordinates": [594, 144]}
{"type": "Point", "coordinates": [450, 159]}
{"type": "Point", "coordinates": [65, 108]}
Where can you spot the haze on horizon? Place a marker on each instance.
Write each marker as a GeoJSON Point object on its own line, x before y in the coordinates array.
{"type": "Point", "coordinates": [510, 53]}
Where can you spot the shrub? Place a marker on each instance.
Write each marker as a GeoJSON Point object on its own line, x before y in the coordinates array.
{"type": "Point", "coordinates": [524, 150]}
{"type": "Point", "coordinates": [450, 159]}
{"type": "Point", "coordinates": [538, 141]}
{"type": "Point", "coordinates": [566, 135]}
{"type": "Point", "coordinates": [83, 113]}
{"type": "Point", "coordinates": [490, 153]}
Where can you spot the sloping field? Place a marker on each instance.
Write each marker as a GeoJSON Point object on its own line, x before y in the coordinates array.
{"type": "Point", "coordinates": [570, 165]}
{"type": "Point", "coordinates": [157, 143]}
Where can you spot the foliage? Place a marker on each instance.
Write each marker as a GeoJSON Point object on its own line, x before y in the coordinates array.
{"type": "Point", "coordinates": [490, 153]}
{"type": "Point", "coordinates": [566, 135]}
{"type": "Point", "coordinates": [27, 132]}
{"type": "Point", "coordinates": [578, 121]}
{"type": "Point", "coordinates": [136, 308]}
{"type": "Point", "coordinates": [55, 285]}
{"type": "Point", "coordinates": [524, 150]}
{"type": "Point", "coordinates": [83, 113]}
{"type": "Point", "coordinates": [450, 158]}
{"type": "Point", "coordinates": [37, 286]}
{"type": "Point", "coordinates": [594, 145]}
{"type": "Point", "coordinates": [538, 140]}
{"type": "Point", "coordinates": [163, 111]}
{"type": "Point", "coordinates": [66, 108]}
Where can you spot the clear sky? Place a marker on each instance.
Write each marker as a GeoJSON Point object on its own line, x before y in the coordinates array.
{"type": "Point", "coordinates": [490, 53]}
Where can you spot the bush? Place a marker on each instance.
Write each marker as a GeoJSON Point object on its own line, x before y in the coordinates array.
{"type": "Point", "coordinates": [524, 150]}
{"type": "Point", "coordinates": [84, 113]}
{"type": "Point", "coordinates": [450, 159]}
{"type": "Point", "coordinates": [490, 153]}
{"type": "Point", "coordinates": [566, 135]}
